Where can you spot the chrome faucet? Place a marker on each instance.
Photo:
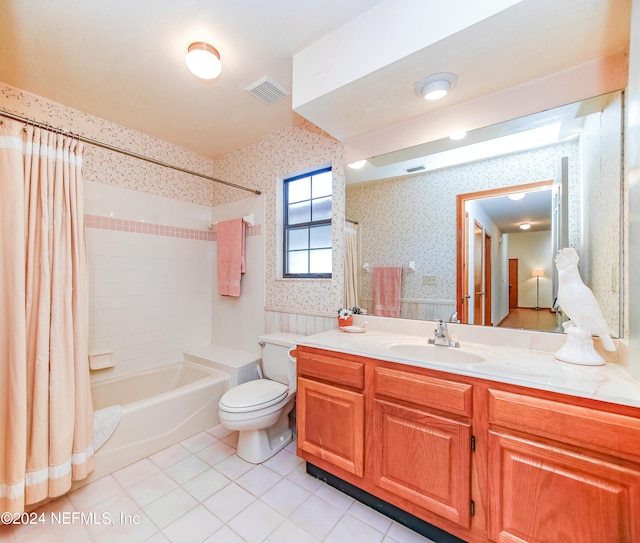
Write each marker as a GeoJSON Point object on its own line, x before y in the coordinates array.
{"type": "Point", "coordinates": [442, 336]}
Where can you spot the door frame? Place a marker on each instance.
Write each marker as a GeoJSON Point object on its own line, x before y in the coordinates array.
{"type": "Point", "coordinates": [488, 280]}
{"type": "Point", "coordinates": [461, 249]}
{"type": "Point", "coordinates": [479, 260]}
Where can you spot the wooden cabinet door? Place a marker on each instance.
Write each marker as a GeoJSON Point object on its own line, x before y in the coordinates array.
{"type": "Point", "coordinates": [539, 493]}
{"type": "Point", "coordinates": [422, 458]}
{"type": "Point", "coordinates": [331, 425]}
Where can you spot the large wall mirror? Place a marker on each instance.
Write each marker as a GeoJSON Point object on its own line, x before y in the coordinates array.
{"type": "Point", "coordinates": [452, 212]}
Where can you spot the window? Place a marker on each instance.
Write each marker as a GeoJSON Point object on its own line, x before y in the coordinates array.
{"type": "Point", "coordinates": [307, 224]}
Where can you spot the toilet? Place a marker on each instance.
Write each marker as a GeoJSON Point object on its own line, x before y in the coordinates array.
{"type": "Point", "coordinates": [259, 410]}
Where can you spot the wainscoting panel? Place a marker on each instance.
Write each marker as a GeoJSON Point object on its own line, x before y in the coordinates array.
{"type": "Point", "coordinates": [419, 309]}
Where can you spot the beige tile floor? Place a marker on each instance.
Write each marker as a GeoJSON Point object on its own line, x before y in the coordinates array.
{"type": "Point", "coordinates": [199, 490]}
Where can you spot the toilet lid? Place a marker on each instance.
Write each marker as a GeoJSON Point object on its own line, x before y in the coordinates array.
{"type": "Point", "coordinates": [253, 395]}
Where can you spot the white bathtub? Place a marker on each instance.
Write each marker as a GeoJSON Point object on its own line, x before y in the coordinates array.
{"type": "Point", "coordinates": [160, 407]}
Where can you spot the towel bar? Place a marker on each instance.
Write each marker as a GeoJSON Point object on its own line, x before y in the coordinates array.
{"type": "Point", "coordinates": [249, 219]}
{"type": "Point", "coordinates": [411, 266]}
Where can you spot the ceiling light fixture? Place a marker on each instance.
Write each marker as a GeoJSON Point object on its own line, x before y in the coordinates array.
{"type": "Point", "coordinates": [203, 60]}
{"type": "Point", "coordinates": [357, 164]}
{"type": "Point", "coordinates": [525, 226]}
{"type": "Point", "coordinates": [516, 196]}
{"type": "Point", "coordinates": [458, 136]}
{"type": "Point", "coordinates": [435, 86]}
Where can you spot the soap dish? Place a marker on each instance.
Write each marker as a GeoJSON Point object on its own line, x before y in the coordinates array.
{"type": "Point", "coordinates": [101, 361]}
{"type": "Point", "coordinates": [355, 329]}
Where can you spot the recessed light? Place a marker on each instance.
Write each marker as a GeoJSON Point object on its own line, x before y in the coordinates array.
{"type": "Point", "coordinates": [458, 135]}
{"type": "Point", "coordinates": [525, 226]}
{"type": "Point", "coordinates": [435, 86]}
{"type": "Point", "coordinates": [357, 164]}
{"type": "Point", "coordinates": [516, 196]}
{"type": "Point", "coordinates": [436, 89]}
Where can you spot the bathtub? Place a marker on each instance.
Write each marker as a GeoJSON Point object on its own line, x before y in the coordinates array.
{"type": "Point", "coordinates": [160, 407]}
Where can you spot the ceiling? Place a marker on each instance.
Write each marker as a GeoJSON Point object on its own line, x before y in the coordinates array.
{"type": "Point", "coordinates": [508, 215]}
{"type": "Point", "coordinates": [124, 61]}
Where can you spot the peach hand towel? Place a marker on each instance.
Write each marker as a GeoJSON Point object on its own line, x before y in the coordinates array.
{"type": "Point", "coordinates": [231, 262]}
{"type": "Point", "coordinates": [387, 285]}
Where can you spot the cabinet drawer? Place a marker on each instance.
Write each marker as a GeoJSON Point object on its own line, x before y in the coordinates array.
{"type": "Point", "coordinates": [425, 391]}
{"type": "Point", "coordinates": [331, 369]}
{"type": "Point", "coordinates": [582, 426]}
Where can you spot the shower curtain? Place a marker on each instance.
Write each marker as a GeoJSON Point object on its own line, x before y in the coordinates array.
{"type": "Point", "coordinates": [46, 413]}
{"type": "Point", "coordinates": [350, 264]}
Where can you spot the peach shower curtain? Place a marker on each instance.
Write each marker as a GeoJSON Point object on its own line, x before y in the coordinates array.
{"type": "Point", "coordinates": [46, 413]}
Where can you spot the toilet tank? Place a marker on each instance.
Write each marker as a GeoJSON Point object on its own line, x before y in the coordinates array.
{"type": "Point", "coordinates": [276, 364]}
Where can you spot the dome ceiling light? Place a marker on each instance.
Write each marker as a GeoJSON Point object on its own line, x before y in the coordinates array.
{"type": "Point", "coordinates": [203, 60]}
{"type": "Point", "coordinates": [436, 86]}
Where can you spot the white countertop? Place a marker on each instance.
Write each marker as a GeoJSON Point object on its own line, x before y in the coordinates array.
{"type": "Point", "coordinates": [504, 362]}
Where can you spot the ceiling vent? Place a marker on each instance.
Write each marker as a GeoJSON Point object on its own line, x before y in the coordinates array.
{"type": "Point", "coordinates": [415, 169]}
{"type": "Point", "coordinates": [267, 90]}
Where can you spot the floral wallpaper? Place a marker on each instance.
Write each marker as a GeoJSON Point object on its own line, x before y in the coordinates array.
{"type": "Point", "coordinates": [104, 166]}
{"type": "Point", "coordinates": [260, 166]}
{"type": "Point", "coordinates": [414, 218]}
{"type": "Point", "coordinates": [601, 266]}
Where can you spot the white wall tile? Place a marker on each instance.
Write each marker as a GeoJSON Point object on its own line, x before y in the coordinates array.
{"type": "Point", "coordinates": [149, 294]}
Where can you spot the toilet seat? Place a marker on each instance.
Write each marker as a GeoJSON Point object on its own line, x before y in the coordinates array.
{"type": "Point", "coordinates": [252, 396]}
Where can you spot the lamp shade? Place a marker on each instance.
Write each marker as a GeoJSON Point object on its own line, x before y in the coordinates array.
{"type": "Point", "coordinates": [203, 60]}
{"type": "Point", "coordinates": [537, 273]}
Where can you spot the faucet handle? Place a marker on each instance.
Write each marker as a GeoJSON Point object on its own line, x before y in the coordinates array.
{"type": "Point", "coordinates": [442, 336]}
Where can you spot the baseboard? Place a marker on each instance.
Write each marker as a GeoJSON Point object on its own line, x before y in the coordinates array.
{"type": "Point", "coordinates": [435, 534]}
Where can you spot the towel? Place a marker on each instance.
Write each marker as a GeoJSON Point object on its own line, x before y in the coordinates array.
{"type": "Point", "coordinates": [387, 285]}
{"type": "Point", "coordinates": [231, 263]}
{"type": "Point", "coordinates": [105, 422]}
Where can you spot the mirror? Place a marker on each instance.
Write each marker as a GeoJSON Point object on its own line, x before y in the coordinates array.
{"type": "Point", "coordinates": [406, 204]}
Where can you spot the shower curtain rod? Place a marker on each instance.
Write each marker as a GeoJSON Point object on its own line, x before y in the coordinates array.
{"type": "Point", "coordinates": [97, 143]}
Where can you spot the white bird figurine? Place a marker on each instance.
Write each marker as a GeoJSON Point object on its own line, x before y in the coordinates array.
{"type": "Point", "coordinates": [577, 301]}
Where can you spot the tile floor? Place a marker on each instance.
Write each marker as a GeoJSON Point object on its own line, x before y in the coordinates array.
{"type": "Point", "coordinates": [199, 490]}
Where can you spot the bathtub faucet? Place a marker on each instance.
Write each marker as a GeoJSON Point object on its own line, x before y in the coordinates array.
{"type": "Point", "coordinates": [442, 336]}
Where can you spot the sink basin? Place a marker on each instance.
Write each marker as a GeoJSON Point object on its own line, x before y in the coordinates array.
{"type": "Point", "coordinates": [435, 353]}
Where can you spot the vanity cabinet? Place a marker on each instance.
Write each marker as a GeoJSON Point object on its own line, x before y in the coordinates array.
{"type": "Point", "coordinates": [482, 460]}
{"type": "Point", "coordinates": [560, 472]}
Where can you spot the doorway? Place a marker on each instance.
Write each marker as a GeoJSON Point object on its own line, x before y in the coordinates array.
{"type": "Point", "coordinates": [513, 283]}
{"type": "Point", "coordinates": [476, 301]}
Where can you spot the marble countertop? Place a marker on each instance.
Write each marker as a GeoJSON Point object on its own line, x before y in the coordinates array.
{"type": "Point", "coordinates": [515, 361]}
